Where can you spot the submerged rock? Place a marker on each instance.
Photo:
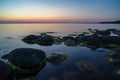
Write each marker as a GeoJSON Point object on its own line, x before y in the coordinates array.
{"type": "Point", "coordinates": [83, 67]}
{"type": "Point", "coordinates": [9, 38]}
{"type": "Point", "coordinates": [5, 71]}
{"type": "Point", "coordinates": [71, 76]}
{"type": "Point", "coordinates": [117, 73]}
{"type": "Point", "coordinates": [53, 78]}
{"type": "Point", "coordinates": [56, 57]}
{"type": "Point", "coordinates": [114, 60]}
{"type": "Point", "coordinates": [114, 55]}
{"type": "Point", "coordinates": [31, 39]}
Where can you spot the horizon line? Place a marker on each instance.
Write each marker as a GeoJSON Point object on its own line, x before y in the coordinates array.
{"type": "Point", "coordinates": [44, 22]}
{"type": "Point", "coordinates": [78, 22]}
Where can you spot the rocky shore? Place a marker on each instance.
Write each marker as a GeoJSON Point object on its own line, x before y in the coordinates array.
{"type": "Point", "coordinates": [29, 61]}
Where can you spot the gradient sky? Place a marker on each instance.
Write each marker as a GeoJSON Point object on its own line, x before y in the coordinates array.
{"type": "Point", "coordinates": [59, 10]}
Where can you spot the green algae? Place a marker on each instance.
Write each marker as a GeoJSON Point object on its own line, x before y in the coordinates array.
{"type": "Point", "coordinates": [58, 39]}
{"type": "Point", "coordinates": [5, 56]}
{"type": "Point", "coordinates": [56, 60]}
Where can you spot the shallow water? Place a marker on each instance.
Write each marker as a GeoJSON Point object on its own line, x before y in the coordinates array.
{"type": "Point", "coordinates": [11, 35]}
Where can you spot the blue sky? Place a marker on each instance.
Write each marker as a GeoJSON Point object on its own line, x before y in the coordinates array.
{"type": "Point", "coordinates": [60, 10]}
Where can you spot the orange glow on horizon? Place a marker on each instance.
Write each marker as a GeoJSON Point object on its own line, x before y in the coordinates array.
{"type": "Point", "coordinates": [42, 19]}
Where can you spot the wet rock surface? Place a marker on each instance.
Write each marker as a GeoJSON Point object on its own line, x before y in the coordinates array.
{"type": "Point", "coordinates": [45, 39]}
{"type": "Point", "coordinates": [31, 39]}
{"type": "Point", "coordinates": [56, 57]}
{"type": "Point", "coordinates": [5, 71]}
{"type": "Point", "coordinates": [26, 57]}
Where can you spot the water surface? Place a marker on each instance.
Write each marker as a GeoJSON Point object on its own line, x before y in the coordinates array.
{"type": "Point", "coordinates": [10, 39]}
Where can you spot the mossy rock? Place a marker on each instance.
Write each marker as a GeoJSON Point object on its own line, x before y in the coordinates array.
{"type": "Point", "coordinates": [118, 73]}
{"type": "Point", "coordinates": [85, 67]}
{"type": "Point", "coordinates": [26, 61]}
{"type": "Point", "coordinates": [58, 39]}
{"type": "Point", "coordinates": [114, 55]}
{"type": "Point", "coordinates": [26, 57]}
{"type": "Point", "coordinates": [72, 75]}
{"type": "Point", "coordinates": [111, 46]}
{"type": "Point", "coordinates": [71, 42]}
{"type": "Point", "coordinates": [45, 40]}
{"type": "Point", "coordinates": [114, 61]}
{"type": "Point", "coordinates": [56, 57]}
{"type": "Point", "coordinates": [114, 31]}
{"type": "Point", "coordinates": [83, 44]}
{"type": "Point", "coordinates": [30, 39]}
{"type": "Point", "coordinates": [72, 35]}
{"type": "Point", "coordinates": [5, 56]}
{"type": "Point", "coordinates": [24, 72]}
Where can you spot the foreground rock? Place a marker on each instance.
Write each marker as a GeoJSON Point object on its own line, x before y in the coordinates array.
{"type": "Point", "coordinates": [5, 71]}
{"type": "Point", "coordinates": [26, 61]}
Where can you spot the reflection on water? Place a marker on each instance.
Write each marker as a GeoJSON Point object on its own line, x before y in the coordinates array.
{"type": "Point", "coordinates": [11, 35]}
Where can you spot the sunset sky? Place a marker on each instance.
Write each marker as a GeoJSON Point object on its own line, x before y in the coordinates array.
{"type": "Point", "coordinates": [59, 10]}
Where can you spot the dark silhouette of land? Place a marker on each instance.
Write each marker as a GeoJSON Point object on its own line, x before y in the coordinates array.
{"type": "Point", "coordinates": [112, 22]}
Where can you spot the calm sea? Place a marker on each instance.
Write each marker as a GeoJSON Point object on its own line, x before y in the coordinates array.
{"type": "Point", "coordinates": [11, 35]}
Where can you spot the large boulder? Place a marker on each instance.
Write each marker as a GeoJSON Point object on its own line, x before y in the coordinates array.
{"type": "Point", "coordinates": [26, 61]}
{"type": "Point", "coordinates": [31, 39]}
{"type": "Point", "coordinates": [27, 57]}
{"type": "Point", "coordinates": [45, 39]}
{"type": "Point", "coordinates": [5, 71]}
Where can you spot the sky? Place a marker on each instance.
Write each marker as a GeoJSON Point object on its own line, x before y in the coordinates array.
{"type": "Point", "coordinates": [59, 10]}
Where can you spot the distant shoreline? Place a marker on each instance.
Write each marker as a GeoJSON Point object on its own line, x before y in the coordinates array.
{"type": "Point", "coordinates": [114, 22]}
